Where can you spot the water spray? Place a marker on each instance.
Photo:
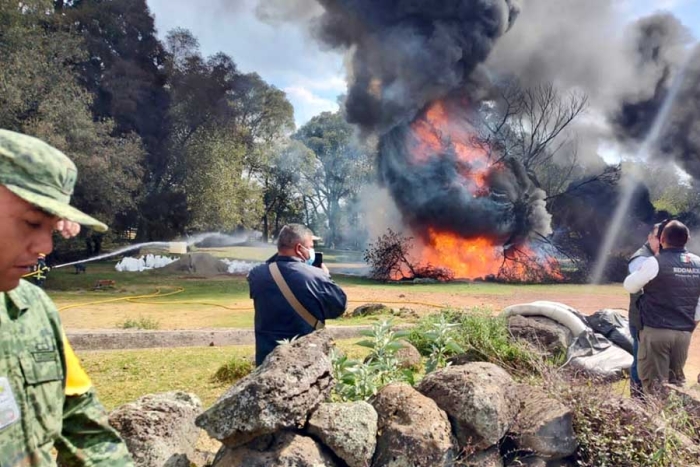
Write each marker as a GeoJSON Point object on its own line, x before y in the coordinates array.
{"type": "Point", "coordinates": [630, 183]}
{"type": "Point", "coordinates": [175, 247]}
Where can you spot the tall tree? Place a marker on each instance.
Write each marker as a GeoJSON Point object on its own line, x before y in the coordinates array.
{"type": "Point", "coordinates": [124, 70]}
{"type": "Point", "coordinates": [341, 167]}
{"type": "Point", "coordinates": [220, 116]}
{"type": "Point", "coordinates": [40, 95]}
{"type": "Point", "coordinates": [284, 186]}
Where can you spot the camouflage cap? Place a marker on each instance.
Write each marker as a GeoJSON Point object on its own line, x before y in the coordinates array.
{"type": "Point", "coordinates": [41, 175]}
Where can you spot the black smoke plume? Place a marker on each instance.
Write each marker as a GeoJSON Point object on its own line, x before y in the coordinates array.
{"type": "Point", "coordinates": [681, 137]}
{"type": "Point", "coordinates": [660, 46]}
{"type": "Point", "coordinates": [439, 191]}
{"type": "Point", "coordinates": [406, 55]}
{"type": "Point", "coordinates": [652, 44]}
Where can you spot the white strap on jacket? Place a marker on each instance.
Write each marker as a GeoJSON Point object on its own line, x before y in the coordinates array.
{"type": "Point", "coordinates": [292, 299]}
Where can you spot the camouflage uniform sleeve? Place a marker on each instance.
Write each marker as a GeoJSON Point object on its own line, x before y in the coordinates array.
{"type": "Point", "coordinates": [86, 439]}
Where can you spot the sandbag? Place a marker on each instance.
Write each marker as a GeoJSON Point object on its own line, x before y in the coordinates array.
{"type": "Point", "coordinates": [562, 314]}
{"type": "Point", "coordinates": [595, 354]}
{"type": "Point", "coordinates": [613, 326]}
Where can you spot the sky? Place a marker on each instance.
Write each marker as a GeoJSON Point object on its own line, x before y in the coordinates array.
{"type": "Point", "coordinates": [286, 56]}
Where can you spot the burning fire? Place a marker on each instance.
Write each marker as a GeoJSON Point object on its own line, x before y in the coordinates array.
{"type": "Point", "coordinates": [436, 135]}
{"type": "Point", "coordinates": [466, 258]}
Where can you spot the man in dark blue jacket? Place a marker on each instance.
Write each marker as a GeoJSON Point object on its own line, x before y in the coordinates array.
{"type": "Point", "coordinates": [317, 297]}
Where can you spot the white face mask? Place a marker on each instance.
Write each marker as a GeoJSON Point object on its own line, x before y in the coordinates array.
{"type": "Point", "coordinates": [312, 255]}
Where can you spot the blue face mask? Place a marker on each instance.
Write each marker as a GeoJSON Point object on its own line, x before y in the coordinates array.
{"type": "Point", "coordinates": [312, 256]}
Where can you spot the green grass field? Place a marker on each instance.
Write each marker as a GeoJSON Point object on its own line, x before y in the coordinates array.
{"type": "Point", "coordinates": [125, 375]}
{"type": "Point", "coordinates": [186, 302]}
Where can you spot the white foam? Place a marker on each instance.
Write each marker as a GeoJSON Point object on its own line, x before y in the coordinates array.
{"type": "Point", "coordinates": [238, 267]}
{"type": "Point", "coordinates": [143, 263]}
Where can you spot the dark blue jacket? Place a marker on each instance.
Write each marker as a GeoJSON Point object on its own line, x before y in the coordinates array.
{"type": "Point", "coordinates": [275, 319]}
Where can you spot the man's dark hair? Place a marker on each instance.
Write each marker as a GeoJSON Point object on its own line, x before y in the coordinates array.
{"type": "Point", "coordinates": [676, 234]}
{"type": "Point", "coordinates": [292, 234]}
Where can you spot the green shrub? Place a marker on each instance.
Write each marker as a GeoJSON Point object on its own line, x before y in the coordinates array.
{"type": "Point", "coordinates": [233, 370]}
{"type": "Point", "coordinates": [361, 380]}
{"type": "Point", "coordinates": [482, 337]}
{"type": "Point", "coordinates": [140, 323]}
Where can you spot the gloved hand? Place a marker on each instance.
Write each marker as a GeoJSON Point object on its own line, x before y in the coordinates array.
{"type": "Point", "coordinates": [67, 229]}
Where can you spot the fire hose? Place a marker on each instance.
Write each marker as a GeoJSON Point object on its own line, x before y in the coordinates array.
{"type": "Point", "coordinates": [139, 299]}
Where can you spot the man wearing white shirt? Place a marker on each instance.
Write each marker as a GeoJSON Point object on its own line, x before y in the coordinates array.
{"type": "Point", "coordinates": [648, 250]}
{"type": "Point", "coordinates": [669, 307]}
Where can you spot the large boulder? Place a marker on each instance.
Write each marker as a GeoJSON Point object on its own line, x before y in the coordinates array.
{"type": "Point", "coordinates": [479, 398]}
{"type": "Point", "coordinates": [413, 431]}
{"type": "Point", "coordinates": [348, 429]}
{"type": "Point", "coordinates": [543, 332]}
{"type": "Point", "coordinates": [283, 449]}
{"type": "Point", "coordinates": [544, 425]}
{"type": "Point", "coordinates": [281, 393]}
{"type": "Point", "coordinates": [159, 429]}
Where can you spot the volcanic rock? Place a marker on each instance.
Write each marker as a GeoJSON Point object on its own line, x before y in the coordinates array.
{"type": "Point", "coordinates": [349, 430]}
{"type": "Point", "coordinates": [479, 398]}
{"type": "Point", "coordinates": [281, 393]}
{"type": "Point", "coordinates": [544, 425]}
{"type": "Point", "coordinates": [284, 449]}
{"type": "Point", "coordinates": [371, 309]}
{"type": "Point", "coordinates": [406, 313]}
{"type": "Point", "coordinates": [413, 431]}
{"type": "Point", "coordinates": [409, 357]}
{"type": "Point", "coordinates": [543, 332]}
{"type": "Point", "coordinates": [489, 458]}
{"type": "Point", "coordinates": [534, 461]}
{"type": "Point", "coordinates": [159, 429]}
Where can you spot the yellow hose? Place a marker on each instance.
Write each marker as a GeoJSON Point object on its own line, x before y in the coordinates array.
{"type": "Point", "coordinates": [121, 299]}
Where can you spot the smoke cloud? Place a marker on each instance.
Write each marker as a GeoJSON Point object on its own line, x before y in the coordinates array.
{"type": "Point", "coordinates": [626, 70]}
{"type": "Point", "coordinates": [681, 137]}
{"type": "Point", "coordinates": [278, 11]}
{"type": "Point", "coordinates": [406, 54]}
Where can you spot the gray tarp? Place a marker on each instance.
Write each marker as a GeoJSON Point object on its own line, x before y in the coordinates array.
{"type": "Point", "coordinates": [612, 325]}
{"type": "Point", "coordinates": [590, 351]}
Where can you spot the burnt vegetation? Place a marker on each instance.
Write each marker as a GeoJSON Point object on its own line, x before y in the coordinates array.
{"type": "Point", "coordinates": [391, 257]}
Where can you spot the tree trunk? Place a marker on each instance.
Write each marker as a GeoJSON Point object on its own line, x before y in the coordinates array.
{"type": "Point", "coordinates": [265, 232]}
{"type": "Point", "coordinates": [333, 222]}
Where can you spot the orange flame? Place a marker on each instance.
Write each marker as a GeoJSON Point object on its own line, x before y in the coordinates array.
{"type": "Point", "coordinates": [436, 135]}
{"type": "Point", "coordinates": [480, 258]}
{"type": "Point", "coordinates": [466, 258]}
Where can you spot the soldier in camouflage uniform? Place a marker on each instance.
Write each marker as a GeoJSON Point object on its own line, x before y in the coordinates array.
{"type": "Point", "coordinates": [40, 271]}
{"type": "Point", "coordinates": [46, 399]}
